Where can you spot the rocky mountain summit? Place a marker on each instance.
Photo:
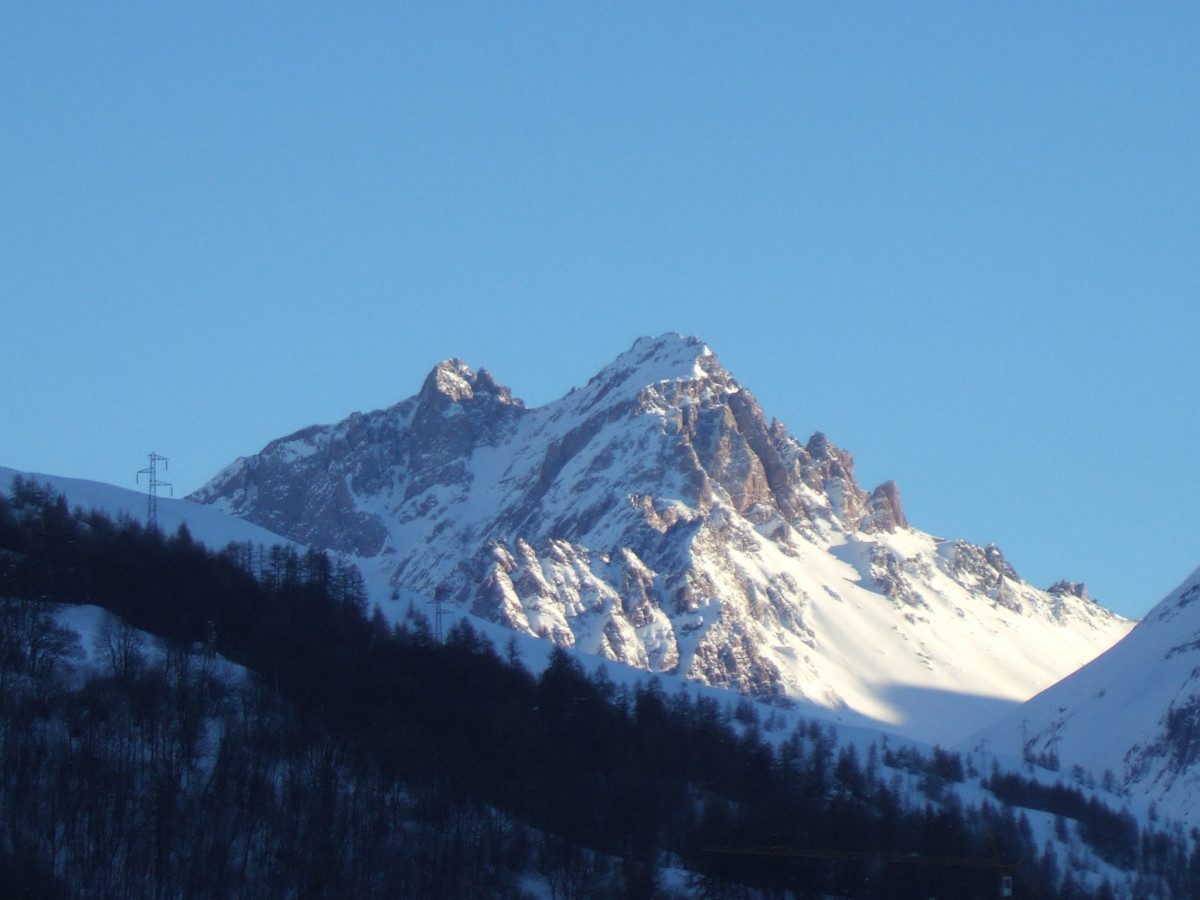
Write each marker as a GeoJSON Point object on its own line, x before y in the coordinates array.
{"type": "Point", "coordinates": [656, 516]}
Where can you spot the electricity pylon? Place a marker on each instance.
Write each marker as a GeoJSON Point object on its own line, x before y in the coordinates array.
{"type": "Point", "coordinates": [153, 486]}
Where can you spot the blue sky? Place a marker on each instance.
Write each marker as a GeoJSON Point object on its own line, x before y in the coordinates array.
{"type": "Point", "coordinates": [961, 239]}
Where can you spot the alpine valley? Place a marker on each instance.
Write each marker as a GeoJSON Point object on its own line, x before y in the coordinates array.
{"type": "Point", "coordinates": [658, 518]}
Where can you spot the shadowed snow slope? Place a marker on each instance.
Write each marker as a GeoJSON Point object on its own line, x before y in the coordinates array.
{"type": "Point", "coordinates": [655, 516]}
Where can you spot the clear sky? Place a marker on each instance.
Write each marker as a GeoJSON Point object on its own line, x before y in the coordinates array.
{"type": "Point", "coordinates": [962, 239]}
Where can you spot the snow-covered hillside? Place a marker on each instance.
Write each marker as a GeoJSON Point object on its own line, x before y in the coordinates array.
{"type": "Point", "coordinates": [211, 527]}
{"type": "Point", "coordinates": [656, 517]}
{"type": "Point", "coordinates": [1134, 712]}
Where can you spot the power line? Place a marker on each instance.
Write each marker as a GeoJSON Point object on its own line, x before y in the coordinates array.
{"type": "Point", "coordinates": [1005, 870]}
{"type": "Point", "coordinates": [865, 856]}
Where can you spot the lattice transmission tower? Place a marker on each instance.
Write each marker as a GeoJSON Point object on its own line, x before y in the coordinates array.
{"type": "Point", "coordinates": [151, 471]}
{"type": "Point", "coordinates": [439, 597]}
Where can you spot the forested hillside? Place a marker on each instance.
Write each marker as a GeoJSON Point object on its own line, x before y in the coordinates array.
{"type": "Point", "coordinates": [275, 739]}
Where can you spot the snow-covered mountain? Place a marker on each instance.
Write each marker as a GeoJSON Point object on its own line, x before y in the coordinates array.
{"type": "Point", "coordinates": [1133, 713]}
{"type": "Point", "coordinates": [656, 517]}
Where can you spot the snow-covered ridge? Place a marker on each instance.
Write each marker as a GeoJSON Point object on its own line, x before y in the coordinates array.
{"type": "Point", "coordinates": [655, 516]}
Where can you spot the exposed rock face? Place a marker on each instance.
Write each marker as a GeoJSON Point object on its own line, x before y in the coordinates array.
{"type": "Point", "coordinates": [884, 512]}
{"type": "Point", "coordinates": [1068, 589]}
{"type": "Point", "coordinates": [983, 570]}
{"type": "Point", "coordinates": [308, 484]}
{"type": "Point", "coordinates": [654, 516]}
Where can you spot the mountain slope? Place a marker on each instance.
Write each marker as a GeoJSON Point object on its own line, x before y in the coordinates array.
{"type": "Point", "coordinates": [1132, 712]}
{"type": "Point", "coordinates": [656, 517]}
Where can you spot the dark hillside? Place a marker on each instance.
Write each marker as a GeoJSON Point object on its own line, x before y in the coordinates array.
{"type": "Point", "coordinates": [364, 759]}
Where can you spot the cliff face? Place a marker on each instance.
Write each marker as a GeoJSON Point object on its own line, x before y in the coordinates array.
{"type": "Point", "coordinates": [655, 516]}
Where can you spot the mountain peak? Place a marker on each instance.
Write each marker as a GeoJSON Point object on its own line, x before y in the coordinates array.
{"type": "Point", "coordinates": [651, 364]}
{"type": "Point", "coordinates": [452, 378]}
{"type": "Point", "coordinates": [455, 381]}
{"type": "Point", "coordinates": [657, 517]}
{"type": "Point", "coordinates": [668, 357]}
{"type": "Point", "coordinates": [670, 344]}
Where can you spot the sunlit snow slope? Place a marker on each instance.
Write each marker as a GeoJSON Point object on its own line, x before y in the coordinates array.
{"type": "Point", "coordinates": [656, 517]}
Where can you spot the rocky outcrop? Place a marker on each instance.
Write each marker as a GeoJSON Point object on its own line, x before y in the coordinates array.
{"type": "Point", "coordinates": [983, 570]}
{"type": "Point", "coordinates": [1075, 589]}
{"type": "Point", "coordinates": [884, 512]}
